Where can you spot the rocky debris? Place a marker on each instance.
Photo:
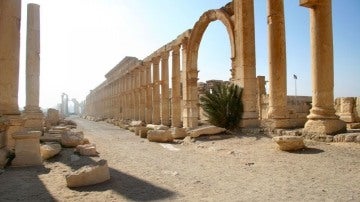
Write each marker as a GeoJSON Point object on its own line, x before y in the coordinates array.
{"type": "Point", "coordinates": [289, 143]}
{"type": "Point", "coordinates": [157, 127]}
{"type": "Point", "coordinates": [347, 137]}
{"type": "Point", "coordinates": [353, 125]}
{"type": "Point", "coordinates": [72, 138]}
{"type": "Point", "coordinates": [52, 117]}
{"type": "Point", "coordinates": [58, 130]}
{"type": "Point", "coordinates": [141, 131]}
{"type": "Point", "coordinates": [86, 150]}
{"type": "Point", "coordinates": [49, 150]}
{"type": "Point", "coordinates": [206, 130]}
{"type": "Point", "coordinates": [136, 123]}
{"type": "Point", "coordinates": [188, 140]}
{"type": "Point", "coordinates": [50, 138]}
{"type": "Point", "coordinates": [89, 175]}
{"type": "Point", "coordinates": [178, 133]}
{"type": "Point", "coordinates": [159, 136]}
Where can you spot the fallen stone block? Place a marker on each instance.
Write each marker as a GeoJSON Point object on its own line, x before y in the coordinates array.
{"type": "Point", "coordinates": [289, 143]}
{"type": "Point", "coordinates": [138, 130]}
{"type": "Point", "coordinates": [87, 150]}
{"type": "Point", "coordinates": [206, 130]}
{"type": "Point", "coordinates": [3, 158]}
{"type": "Point", "coordinates": [157, 127]}
{"type": "Point", "coordinates": [159, 136]}
{"type": "Point", "coordinates": [49, 150]}
{"type": "Point", "coordinates": [72, 139]}
{"type": "Point", "coordinates": [89, 175]}
{"type": "Point", "coordinates": [178, 133]}
{"type": "Point", "coordinates": [136, 123]}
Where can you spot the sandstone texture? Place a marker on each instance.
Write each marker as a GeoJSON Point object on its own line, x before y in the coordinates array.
{"type": "Point", "coordinates": [72, 138]}
{"type": "Point", "coordinates": [86, 150]}
{"type": "Point", "coordinates": [89, 175]}
{"type": "Point", "coordinates": [178, 133]}
{"type": "Point", "coordinates": [159, 136]}
{"type": "Point", "coordinates": [49, 150]}
{"type": "Point", "coordinates": [289, 143]}
{"type": "Point", "coordinates": [206, 130]}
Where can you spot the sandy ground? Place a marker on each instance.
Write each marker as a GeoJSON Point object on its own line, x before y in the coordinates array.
{"type": "Point", "coordinates": [218, 168]}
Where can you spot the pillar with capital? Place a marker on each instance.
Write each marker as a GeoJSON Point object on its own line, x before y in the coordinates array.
{"type": "Point", "coordinates": [176, 88]}
{"type": "Point", "coordinates": [243, 63]}
{"type": "Point", "coordinates": [142, 93]}
{"type": "Point", "coordinates": [322, 119]}
{"type": "Point", "coordinates": [165, 115]}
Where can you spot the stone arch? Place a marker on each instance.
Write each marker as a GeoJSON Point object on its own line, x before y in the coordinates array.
{"type": "Point", "coordinates": [191, 73]}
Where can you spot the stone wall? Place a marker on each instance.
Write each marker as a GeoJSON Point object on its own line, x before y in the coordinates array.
{"type": "Point", "coordinates": [348, 109]}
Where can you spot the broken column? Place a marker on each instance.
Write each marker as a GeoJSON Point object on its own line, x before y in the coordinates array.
{"type": "Point", "coordinates": [33, 114]}
{"type": "Point", "coordinates": [322, 118]}
{"type": "Point", "coordinates": [277, 112]}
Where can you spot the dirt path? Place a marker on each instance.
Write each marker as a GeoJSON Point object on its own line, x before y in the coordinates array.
{"type": "Point", "coordinates": [219, 168]}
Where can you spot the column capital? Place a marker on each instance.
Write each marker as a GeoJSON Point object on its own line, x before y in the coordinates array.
{"type": "Point", "coordinates": [164, 55]}
{"type": "Point", "coordinates": [155, 60]}
{"type": "Point", "coordinates": [309, 3]}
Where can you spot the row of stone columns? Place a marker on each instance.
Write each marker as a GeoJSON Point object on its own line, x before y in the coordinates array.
{"type": "Point", "coordinates": [136, 93]}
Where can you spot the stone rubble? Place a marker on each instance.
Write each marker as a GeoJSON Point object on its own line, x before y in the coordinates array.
{"type": "Point", "coordinates": [49, 149]}
{"type": "Point", "coordinates": [289, 143]}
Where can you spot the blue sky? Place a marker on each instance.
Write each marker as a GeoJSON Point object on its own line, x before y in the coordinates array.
{"type": "Point", "coordinates": [81, 40]}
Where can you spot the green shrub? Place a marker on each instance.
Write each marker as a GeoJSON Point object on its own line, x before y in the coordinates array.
{"type": "Point", "coordinates": [223, 106]}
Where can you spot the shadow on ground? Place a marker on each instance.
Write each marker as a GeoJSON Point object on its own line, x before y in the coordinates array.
{"type": "Point", "coordinates": [308, 150]}
{"type": "Point", "coordinates": [129, 186]}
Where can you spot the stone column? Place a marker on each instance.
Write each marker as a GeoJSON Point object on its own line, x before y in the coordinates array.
{"type": "Point", "coordinates": [190, 96]}
{"type": "Point", "coordinates": [277, 112]}
{"type": "Point", "coordinates": [322, 118]}
{"type": "Point", "coordinates": [165, 117]}
{"type": "Point", "coordinates": [10, 17]}
{"type": "Point", "coordinates": [148, 101]}
{"type": "Point", "coordinates": [244, 63]}
{"type": "Point", "coordinates": [137, 94]}
{"type": "Point", "coordinates": [176, 87]}
{"type": "Point", "coordinates": [122, 97]}
{"type": "Point", "coordinates": [142, 92]}
{"type": "Point", "coordinates": [33, 114]}
{"type": "Point", "coordinates": [156, 91]}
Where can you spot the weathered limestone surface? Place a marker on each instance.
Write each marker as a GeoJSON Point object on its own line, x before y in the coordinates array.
{"type": "Point", "coordinates": [159, 136]}
{"type": "Point", "coordinates": [89, 175]}
{"type": "Point", "coordinates": [72, 138]}
{"type": "Point", "coordinates": [87, 150]}
{"type": "Point", "coordinates": [322, 118]}
{"type": "Point", "coordinates": [206, 130]}
{"type": "Point", "coordinates": [33, 114]}
{"type": "Point", "coordinates": [3, 157]}
{"type": "Point", "coordinates": [49, 150]}
{"type": "Point", "coordinates": [10, 16]}
{"type": "Point", "coordinates": [27, 149]}
{"type": "Point", "coordinates": [289, 143]}
{"type": "Point", "coordinates": [157, 127]}
{"type": "Point", "coordinates": [178, 133]}
{"type": "Point", "coordinates": [52, 117]}
{"type": "Point", "coordinates": [15, 125]}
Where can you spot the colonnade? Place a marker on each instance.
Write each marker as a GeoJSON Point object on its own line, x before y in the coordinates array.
{"type": "Point", "coordinates": [135, 93]}
{"type": "Point", "coordinates": [139, 89]}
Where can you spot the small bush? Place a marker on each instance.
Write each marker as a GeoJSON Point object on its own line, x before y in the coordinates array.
{"type": "Point", "coordinates": [223, 106]}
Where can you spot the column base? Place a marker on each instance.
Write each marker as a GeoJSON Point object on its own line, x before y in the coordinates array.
{"type": "Point", "coordinates": [324, 127]}
{"type": "Point", "coordinates": [34, 120]}
{"type": "Point", "coordinates": [27, 149]}
{"type": "Point", "coordinates": [285, 123]}
{"type": "Point", "coordinates": [249, 120]}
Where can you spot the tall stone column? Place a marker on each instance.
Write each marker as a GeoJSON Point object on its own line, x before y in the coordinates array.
{"type": "Point", "coordinates": [190, 95]}
{"type": "Point", "coordinates": [148, 101]}
{"type": "Point", "coordinates": [156, 91]}
{"type": "Point", "coordinates": [277, 113]}
{"type": "Point", "coordinates": [244, 63]}
{"type": "Point", "coordinates": [165, 115]}
{"type": "Point", "coordinates": [137, 94]}
{"type": "Point", "coordinates": [322, 118]}
{"type": "Point", "coordinates": [142, 93]}
{"type": "Point", "coordinates": [176, 87]}
{"type": "Point", "coordinates": [10, 17]}
{"type": "Point", "coordinates": [32, 113]}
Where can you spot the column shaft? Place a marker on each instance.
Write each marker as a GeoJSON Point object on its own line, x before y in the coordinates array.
{"type": "Point", "coordinates": [243, 63]}
{"type": "Point", "coordinates": [175, 91]}
{"type": "Point", "coordinates": [149, 104]}
{"type": "Point", "coordinates": [156, 91]}
{"type": "Point", "coordinates": [165, 117]}
{"type": "Point", "coordinates": [10, 16]}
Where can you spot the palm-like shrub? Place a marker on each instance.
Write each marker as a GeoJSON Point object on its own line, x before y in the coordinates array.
{"type": "Point", "coordinates": [223, 106]}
